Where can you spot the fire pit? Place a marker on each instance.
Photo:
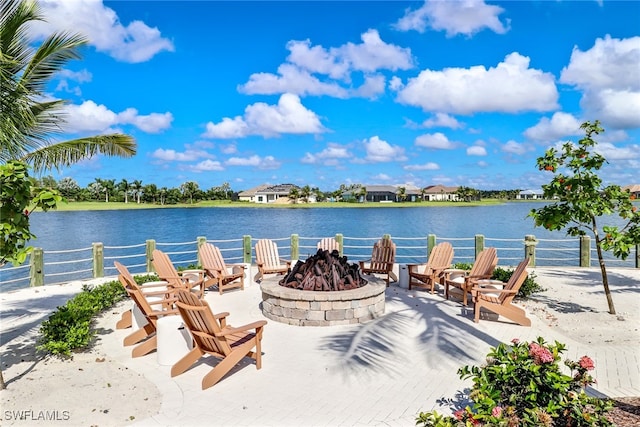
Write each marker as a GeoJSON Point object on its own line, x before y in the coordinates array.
{"type": "Point", "coordinates": [335, 293]}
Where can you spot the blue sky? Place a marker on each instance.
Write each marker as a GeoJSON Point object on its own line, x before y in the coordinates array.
{"type": "Point", "coordinates": [325, 93]}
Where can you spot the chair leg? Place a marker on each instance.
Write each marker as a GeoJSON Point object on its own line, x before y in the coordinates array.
{"type": "Point", "coordinates": [146, 347]}
{"type": "Point", "coordinates": [225, 365]}
{"type": "Point", "coordinates": [138, 335]}
{"type": "Point", "coordinates": [187, 360]}
{"type": "Point", "coordinates": [125, 320]}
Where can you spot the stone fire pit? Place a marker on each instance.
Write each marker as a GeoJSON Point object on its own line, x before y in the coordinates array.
{"type": "Point", "coordinates": [322, 308]}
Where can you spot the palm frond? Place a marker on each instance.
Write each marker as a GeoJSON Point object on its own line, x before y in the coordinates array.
{"type": "Point", "coordinates": [66, 153]}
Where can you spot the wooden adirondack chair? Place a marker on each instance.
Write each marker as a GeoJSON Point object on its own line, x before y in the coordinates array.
{"type": "Point", "coordinates": [491, 297]}
{"type": "Point", "coordinates": [482, 269]}
{"type": "Point", "coordinates": [329, 244]}
{"type": "Point", "coordinates": [158, 289]}
{"type": "Point", "coordinates": [268, 259]}
{"type": "Point", "coordinates": [148, 331]}
{"type": "Point", "coordinates": [383, 257]}
{"type": "Point", "coordinates": [188, 279]}
{"type": "Point", "coordinates": [217, 272]}
{"type": "Point", "coordinates": [212, 335]}
{"type": "Point", "coordinates": [440, 259]}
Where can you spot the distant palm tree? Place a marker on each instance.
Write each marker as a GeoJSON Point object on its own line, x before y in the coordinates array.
{"type": "Point", "coordinates": [136, 186]}
{"type": "Point", "coordinates": [28, 122]}
{"type": "Point", "coordinates": [294, 193]}
{"type": "Point", "coordinates": [189, 189]}
{"type": "Point", "coordinates": [402, 194]}
{"type": "Point", "coordinates": [124, 186]}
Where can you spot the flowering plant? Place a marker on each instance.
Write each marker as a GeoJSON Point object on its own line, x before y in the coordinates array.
{"type": "Point", "coordinates": [522, 385]}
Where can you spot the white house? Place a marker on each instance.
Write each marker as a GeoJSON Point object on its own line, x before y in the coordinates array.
{"type": "Point", "coordinates": [529, 195]}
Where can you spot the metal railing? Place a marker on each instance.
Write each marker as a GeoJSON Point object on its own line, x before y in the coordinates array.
{"type": "Point", "coordinates": [60, 266]}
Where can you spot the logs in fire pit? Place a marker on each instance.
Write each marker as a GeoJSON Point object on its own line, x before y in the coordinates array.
{"type": "Point", "coordinates": [324, 271]}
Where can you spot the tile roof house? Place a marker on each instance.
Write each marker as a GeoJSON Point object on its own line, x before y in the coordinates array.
{"type": "Point", "coordinates": [634, 189]}
{"type": "Point", "coordinates": [249, 195]}
{"type": "Point", "coordinates": [441, 193]}
{"type": "Point", "coordinates": [529, 195]}
{"type": "Point", "coordinates": [271, 194]}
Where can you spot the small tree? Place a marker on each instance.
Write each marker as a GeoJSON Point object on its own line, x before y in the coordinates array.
{"type": "Point", "coordinates": [582, 200]}
{"type": "Point", "coordinates": [17, 200]}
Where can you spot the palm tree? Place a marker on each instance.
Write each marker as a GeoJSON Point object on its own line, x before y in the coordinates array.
{"type": "Point", "coordinates": [28, 122]}
{"type": "Point", "coordinates": [124, 186]}
{"type": "Point", "coordinates": [294, 194]}
{"type": "Point", "coordinates": [189, 189]}
{"type": "Point", "coordinates": [226, 189]}
{"type": "Point", "coordinates": [402, 194]}
{"type": "Point", "coordinates": [136, 185]}
{"type": "Point", "coordinates": [305, 193]}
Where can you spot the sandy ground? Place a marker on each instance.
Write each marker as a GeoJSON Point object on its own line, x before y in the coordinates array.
{"type": "Point", "coordinates": [93, 389]}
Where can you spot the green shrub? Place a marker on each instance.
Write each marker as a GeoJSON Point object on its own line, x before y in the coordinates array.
{"type": "Point", "coordinates": [70, 326]}
{"type": "Point", "coordinates": [522, 385]}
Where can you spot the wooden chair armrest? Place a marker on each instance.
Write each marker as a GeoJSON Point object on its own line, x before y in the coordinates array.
{"type": "Point", "coordinates": [449, 271]}
{"type": "Point", "coordinates": [231, 330]}
{"type": "Point", "coordinates": [485, 282]}
{"type": "Point", "coordinates": [221, 315]}
{"type": "Point", "coordinates": [477, 289]}
{"type": "Point", "coordinates": [157, 284]}
{"type": "Point", "coordinates": [163, 301]}
{"type": "Point", "coordinates": [157, 314]}
{"type": "Point", "coordinates": [480, 276]}
{"type": "Point", "coordinates": [154, 293]}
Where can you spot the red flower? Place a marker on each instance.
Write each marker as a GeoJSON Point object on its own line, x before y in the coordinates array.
{"type": "Point", "coordinates": [586, 363]}
{"type": "Point", "coordinates": [26, 212]}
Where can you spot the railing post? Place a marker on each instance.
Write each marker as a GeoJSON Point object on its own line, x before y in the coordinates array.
{"type": "Point", "coordinates": [530, 243]}
{"type": "Point", "coordinates": [637, 256]}
{"type": "Point", "coordinates": [201, 240]}
{"type": "Point", "coordinates": [151, 246]}
{"type": "Point", "coordinates": [295, 247]}
{"type": "Point", "coordinates": [246, 248]}
{"type": "Point", "coordinates": [431, 243]}
{"type": "Point", "coordinates": [585, 251]}
{"type": "Point", "coordinates": [98, 259]}
{"type": "Point", "coordinates": [340, 240]}
{"type": "Point", "coordinates": [386, 236]}
{"type": "Point", "coordinates": [37, 267]}
{"type": "Point", "coordinates": [479, 244]}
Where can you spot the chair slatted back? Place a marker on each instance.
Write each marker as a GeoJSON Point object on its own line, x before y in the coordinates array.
{"type": "Point", "coordinates": [211, 258]}
{"type": "Point", "coordinates": [485, 263]}
{"type": "Point", "coordinates": [139, 299]}
{"type": "Point", "coordinates": [267, 253]}
{"type": "Point", "coordinates": [198, 317]}
{"type": "Point", "coordinates": [383, 255]}
{"type": "Point", "coordinates": [515, 282]}
{"type": "Point", "coordinates": [440, 258]}
{"type": "Point", "coordinates": [329, 244]}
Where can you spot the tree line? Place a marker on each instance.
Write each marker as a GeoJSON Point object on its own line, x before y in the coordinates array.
{"type": "Point", "coordinates": [135, 191]}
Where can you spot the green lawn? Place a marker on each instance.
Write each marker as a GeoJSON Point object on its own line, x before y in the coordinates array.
{"type": "Point", "coordinates": [96, 206]}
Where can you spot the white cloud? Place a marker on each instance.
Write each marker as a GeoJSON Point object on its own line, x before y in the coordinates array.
{"type": "Point", "coordinates": [151, 123]}
{"type": "Point", "coordinates": [135, 42]}
{"type": "Point", "coordinates": [455, 17]}
{"type": "Point", "coordinates": [291, 79]}
{"type": "Point", "coordinates": [476, 150]}
{"type": "Point", "coordinates": [330, 156]}
{"type": "Point", "coordinates": [298, 75]}
{"type": "Point", "coordinates": [442, 120]}
{"type": "Point", "coordinates": [510, 87]}
{"type": "Point", "coordinates": [379, 151]}
{"type": "Point", "coordinates": [429, 166]}
{"type": "Point", "coordinates": [437, 141]}
{"type": "Point", "coordinates": [289, 116]}
{"type": "Point", "coordinates": [559, 126]}
{"type": "Point", "coordinates": [267, 162]}
{"type": "Point", "coordinates": [611, 152]}
{"type": "Point", "coordinates": [170, 155]}
{"type": "Point", "coordinates": [512, 147]}
{"type": "Point", "coordinates": [207, 166]}
{"type": "Point", "coordinates": [91, 117]}
{"type": "Point", "coordinates": [608, 75]}
{"type": "Point", "coordinates": [227, 128]}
